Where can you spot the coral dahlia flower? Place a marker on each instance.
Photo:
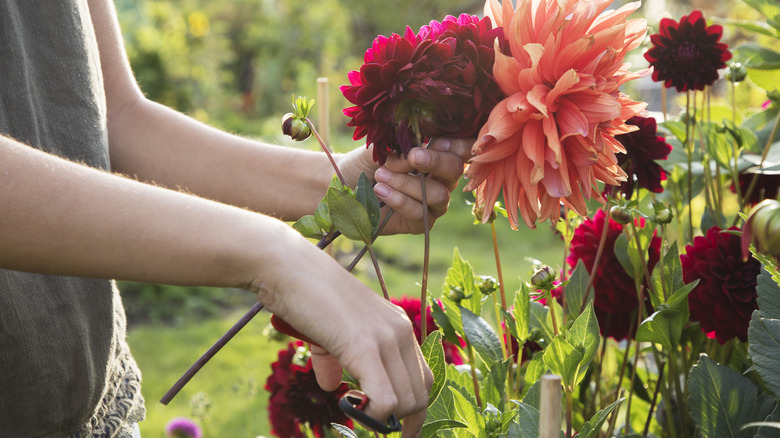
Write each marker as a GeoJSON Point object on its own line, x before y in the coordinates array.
{"type": "Point", "coordinates": [412, 308]}
{"type": "Point", "coordinates": [687, 55]}
{"type": "Point", "coordinates": [643, 147]}
{"type": "Point", "coordinates": [725, 297]}
{"type": "Point", "coordinates": [297, 401]}
{"type": "Point", "coordinates": [616, 299]}
{"type": "Point", "coordinates": [414, 87]}
{"type": "Point", "coordinates": [552, 139]}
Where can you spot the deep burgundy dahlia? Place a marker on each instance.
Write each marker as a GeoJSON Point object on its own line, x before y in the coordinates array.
{"type": "Point", "coordinates": [766, 187]}
{"type": "Point", "coordinates": [725, 297]}
{"type": "Point", "coordinates": [412, 308]}
{"type": "Point", "coordinates": [643, 147]}
{"type": "Point", "coordinates": [687, 55]}
{"type": "Point", "coordinates": [297, 400]}
{"type": "Point", "coordinates": [616, 298]}
{"type": "Point", "coordinates": [438, 82]}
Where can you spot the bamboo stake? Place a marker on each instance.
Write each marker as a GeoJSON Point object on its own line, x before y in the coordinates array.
{"type": "Point", "coordinates": [323, 113]}
{"type": "Point", "coordinates": [550, 412]}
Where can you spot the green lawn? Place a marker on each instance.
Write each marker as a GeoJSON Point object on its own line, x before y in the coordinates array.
{"type": "Point", "coordinates": [233, 381]}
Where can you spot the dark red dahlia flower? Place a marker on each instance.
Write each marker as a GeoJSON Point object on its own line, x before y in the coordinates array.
{"type": "Point", "coordinates": [725, 297]}
{"type": "Point", "coordinates": [616, 298]}
{"type": "Point", "coordinates": [642, 148]}
{"type": "Point", "coordinates": [766, 187]}
{"type": "Point", "coordinates": [436, 83]}
{"type": "Point", "coordinates": [412, 308]}
{"type": "Point", "coordinates": [297, 400]}
{"type": "Point", "coordinates": [687, 55]}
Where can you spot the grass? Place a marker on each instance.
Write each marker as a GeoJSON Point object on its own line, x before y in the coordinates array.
{"type": "Point", "coordinates": [232, 383]}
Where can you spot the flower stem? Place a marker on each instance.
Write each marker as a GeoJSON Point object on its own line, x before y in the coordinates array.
{"type": "Point", "coordinates": [506, 345]}
{"type": "Point", "coordinates": [689, 153]}
{"type": "Point", "coordinates": [473, 367]}
{"type": "Point", "coordinates": [569, 412]}
{"type": "Point", "coordinates": [378, 271]}
{"type": "Point", "coordinates": [597, 260]}
{"type": "Point", "coordinates": [658, 386]}
{"type": "Point", "coordinates": [426, 261]}
{"type": "Point", "coordinates": [327, 151]}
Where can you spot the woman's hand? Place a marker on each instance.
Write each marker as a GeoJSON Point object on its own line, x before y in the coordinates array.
{"type": "Point", "coordinates": [443, 162]}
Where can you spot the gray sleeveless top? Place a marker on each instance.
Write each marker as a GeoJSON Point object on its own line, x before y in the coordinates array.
{"type": "Point", "coordinates": [65, 369]}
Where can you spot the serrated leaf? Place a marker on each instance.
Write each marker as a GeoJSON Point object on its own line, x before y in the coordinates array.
{"type": "Point", "coordinates": [364, 193]}
{"type": "Point", "coordinates": [494, 384]}
{"type": "Point", "coordinates": [533, 395]}
{"type": "Point", "coordinates": [443, 320]}
{"type": "Point", "coordinates": [308, 227]}
{"type": "Point", "coordinates": [527, 424]}
{"type": "Point", "coordinates": [769, 264]}
{"type": "Point", "coordinates": [764, 350]}
{"type": "Point", "coordinates": [475, 422]}
{"type": "Point", "coordinates": [662, 327]}
{"type": "Point", "coordinates": [432, 429]}
{"type": "Point", "coordinates": [349, 216]}
{"type": "Point", "coordinates": [564, 360]}
{"type": "Point", "coordinates": [443, 408]}
{"type": "Point", "coordinates": [585, 337]}
{"type": "Point", "coordinates": [480, 335]}
{"type": "Point", "coordinates": [433, 352]}
{"type": "Point", "coordinates": [539, 319]}
{"type": "Point", "coordinates": [768, 295]}
{"type": "Point", "coordinates": [344, 430]}
{"type": "Point", "coordinates": [667, 276]}
{"type": "Point", "coordinates": [722, 400]}
{"type": "Point", "coordinates": [592, 427]}
{"type": "Point", "coordinates": [575, 291]}
{"type": "Point", "coordinates": [521, 313]}
{"type": "Point", "coordinates": [716, 144]}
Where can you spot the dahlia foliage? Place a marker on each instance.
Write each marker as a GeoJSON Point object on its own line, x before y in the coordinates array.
{"type": "Point", "coordinates": [552, 139]}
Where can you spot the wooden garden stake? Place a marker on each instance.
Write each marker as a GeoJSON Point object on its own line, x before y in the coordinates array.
{"type": "Point", "coordinates": [323, 113]}
{"type": "Point", "coordinates": [550, 407]}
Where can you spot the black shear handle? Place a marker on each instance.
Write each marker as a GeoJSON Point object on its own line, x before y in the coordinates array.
{"type": "Point", "coordinates": [353, 403]}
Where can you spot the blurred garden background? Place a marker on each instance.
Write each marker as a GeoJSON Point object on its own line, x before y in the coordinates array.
{"type": "Point", "coordinates": [234, 65]}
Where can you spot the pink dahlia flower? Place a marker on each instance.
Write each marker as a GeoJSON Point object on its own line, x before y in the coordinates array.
{"type": "Point", "coordinates": [552, 139]}
{"type": "Point", "coordinates": [297, 401]}
{"type": "Point", "coordinates": [725, 297]}
{"type": "Point", "coordinates": [616, 299]}
{"type": "Point", "coordinates": [435, 83]}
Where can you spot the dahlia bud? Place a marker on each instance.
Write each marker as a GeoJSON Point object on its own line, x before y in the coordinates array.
{"type": "Point", "coordinates": [663, 215]}
{"type": "Point", "coordinates": [544, 278]}
{"type": "Point", "coordinates": [620, 214]}
{"type": "Point", "coordinates": [488, 285]}
{"type": "Point", "coordinates": [295, 127]}
{"type": "Point", "coordinates": [493, 421]}
{"type": "Point", "coordinates": [736, 72]}
{"type": "Point", "coordinates": [456, 294]}
{"type": "Point", "coordinates": [479, 212]}
{"type": "Point", "coordinates": [763, 229]}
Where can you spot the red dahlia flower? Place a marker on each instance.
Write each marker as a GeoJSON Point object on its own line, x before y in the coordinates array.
{"type": "Point", "coordinates": [725, 297]}
{"type": "Point", "coordinates": [766, 187]}
{"type": "Point", "coordinates": [436, 83]}
{"type": "Point", "coordinates": [412, 308]}
{"type": "Point", "coordinates": [643, 146]}
{"type": "Point", "coordinates": [297, 400]}
{"type": "Point", "coordinates": [552, 139]}
{"type": "Point", "coordinates": [616, 298]}
{"type": "Point", "coordinates": [687, 55]}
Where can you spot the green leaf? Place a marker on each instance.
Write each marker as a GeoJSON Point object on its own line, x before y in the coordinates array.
{"type": "Point", "coordinates": [461, 275]}
{"type": "Point", "coordinates": [475, 422]}
{"type": "Point", "coordinates": [308, 227]}
{"type": "Point", "coordinates": [344, 430]}
{"type": "Point", "coordinates": [765, 79]}
{"type": "Point", "coordinates": [521, 313]}
{"type": "Point", "coordinates": [667, 276]}
{"type": "Point", "coordinates": [494, 384]}
{"type": "Point", "coordinates": [444, 321]}
{"type": "Point", "coordinates": [769, 264]}
{"type": "Point", "coordinates": [564, 360]}
{"type": "Point", "coordinates": [540, 320]}
{"type": "Point", "coordinates": [433, 352]}
{"type": "Point", "coordinates": [585, 337]}
{"type": "Point", "coordinates": [768, 295]}
{"type": "Point", "coordinates": [592, 427]}
{"type": "Point", "coordinates": [431, 429]}
{"type": "Point", "coordinates": [662, 327]}
{"type": "Point", "coordinates": [575, 291]}
{"type": "Point", "coordinates": [716, 144]}
{"type": "Point", "coordinates": [443, 408]}
{"type": "Point", "coordinates": [531, 381]}
{"type": "Point", "coordinates": [769, 9]}
{"type": "Point", "coordinates": [322, 216]}
{"type": "Point", "coordinates": [722, 400]}
{"type": "Point", "coordinates": [764, 349]}
{"type": "Point", "coordinates": [364, 193]}
{"type": "Point", "coordinates": [527, 425]}
{"type": "Point", "coordinates": [349, 216]}
{"type": "Point", "coordinates": [480, 335]}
